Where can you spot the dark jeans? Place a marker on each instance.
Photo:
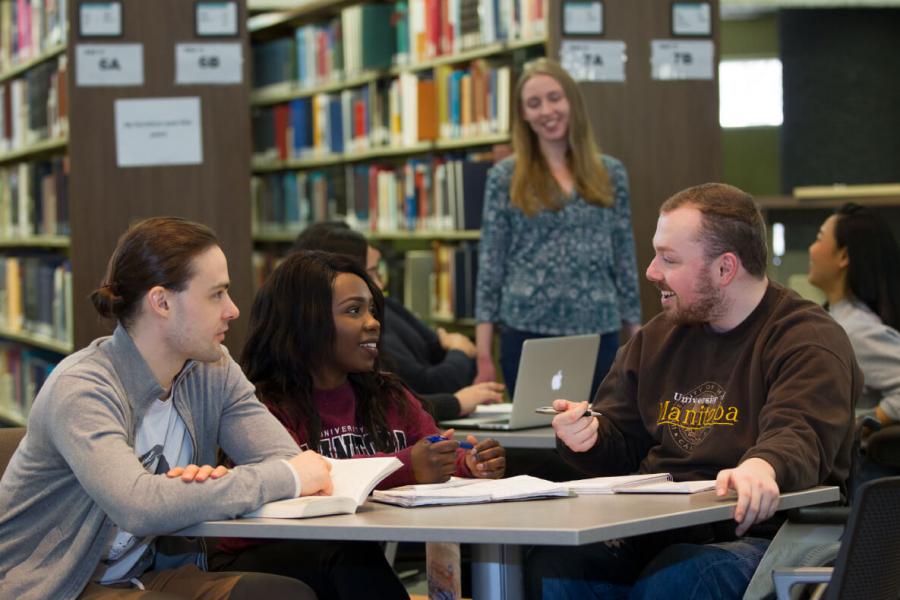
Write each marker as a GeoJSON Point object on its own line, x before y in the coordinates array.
{"type": "Point", "coordinates": [645, 567]}
{"type": "Point", "coordinates": [335, 570]}
{"type": "Point", "coordinates": [511, 341]}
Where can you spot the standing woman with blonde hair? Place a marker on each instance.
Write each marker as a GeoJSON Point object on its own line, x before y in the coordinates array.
{"type": "Point", "coordinates": [557, 250]}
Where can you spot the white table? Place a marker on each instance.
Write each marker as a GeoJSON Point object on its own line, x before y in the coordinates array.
{"type": "Point", "coordinates": [498, 530]}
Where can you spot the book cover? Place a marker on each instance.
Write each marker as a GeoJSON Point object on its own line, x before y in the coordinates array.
{"type": "Point", "coordinates": [353, 479]}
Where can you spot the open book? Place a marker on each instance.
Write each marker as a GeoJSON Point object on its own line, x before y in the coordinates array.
{"type": "Point", "coordinates": [650, 483]}
{"type": "Point", "coordinates": [472, 491]}
{"type": "Point", "coordinates": [353, 479]}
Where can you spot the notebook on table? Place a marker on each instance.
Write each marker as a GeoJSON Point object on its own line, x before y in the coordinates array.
{"type": "Point", "coordinates": [549, 368]}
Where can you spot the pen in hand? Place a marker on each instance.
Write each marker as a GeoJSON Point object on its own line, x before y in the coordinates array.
{"type": "Point", "coordinates": [549, 410]}
{"type": "Point", "coordinates": [440, 438]}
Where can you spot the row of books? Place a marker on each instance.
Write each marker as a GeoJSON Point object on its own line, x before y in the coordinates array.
{"type": "Point", "coordinates": [440, 283]}
{"type": "Point", "coordinates": [36, 295]}
{"type": "Point", "coordinates": [441, 27]}
{"type": "Point", "coordinates": [22, 373]}
{"type": "Point", "coordinates": [34, 107]}
{"type": "Point", "coordinates": [452, 103]}
{"type": "Point", "coordinates": [28, 28]}
{"type": "Point", "coordinates": [34, 199]}
{"type": "Point", "coordinates": [439, 193]}
{"type": "Point", "coordinates": [370, 37]}
{"type": "Point", "coordinates": [290, 201]}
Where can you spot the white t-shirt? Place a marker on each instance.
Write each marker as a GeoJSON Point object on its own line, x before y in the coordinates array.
{"type": "Point", "coordinates": [161, 443]}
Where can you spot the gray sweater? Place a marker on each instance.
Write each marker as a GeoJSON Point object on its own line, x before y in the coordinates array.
{"type": "Point", "coordinates": [75, 473]}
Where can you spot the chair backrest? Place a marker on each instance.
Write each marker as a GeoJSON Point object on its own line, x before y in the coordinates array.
{"type": "Point", "coordinates": [868, 563]}
{"type": "Point", "coordinates": [9, 441]}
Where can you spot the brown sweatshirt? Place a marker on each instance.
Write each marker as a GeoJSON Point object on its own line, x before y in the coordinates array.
{"type": "Point", "coordinates": [683, 399]}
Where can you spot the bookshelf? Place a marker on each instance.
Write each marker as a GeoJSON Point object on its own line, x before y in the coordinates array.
{"type": "Point", "coordinates": [35, 273]}
{"type": "Point", "coordinates": [401, 126]}
{"type": "Point", "coordinates": [105, 196]}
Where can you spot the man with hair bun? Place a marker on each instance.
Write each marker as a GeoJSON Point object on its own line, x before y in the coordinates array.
{"type": "Point", "coordinates": [739, 380]}
{"type": "Point", "coordinates": [116, 434]}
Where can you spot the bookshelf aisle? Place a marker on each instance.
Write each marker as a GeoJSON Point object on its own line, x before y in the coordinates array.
{"type": "Point", "coordinates": [35, 272]}
{"type": "Point", "coordinates": [387, 116]}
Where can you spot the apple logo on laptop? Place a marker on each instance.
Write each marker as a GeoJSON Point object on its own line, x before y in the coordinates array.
{"type": "Point", "coordinates": [556, 381]}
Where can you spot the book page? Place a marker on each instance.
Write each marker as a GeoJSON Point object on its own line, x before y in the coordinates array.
{"type": "Point", "coordinates": [479, 490]}
{"type": "Point", "coordinates": [357, 477]}
{"type": "Point", "coordinates": [668, 487]}
{"type": "Point", "coordinates": [605, 485]}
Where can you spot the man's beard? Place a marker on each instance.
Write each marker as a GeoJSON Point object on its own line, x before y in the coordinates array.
{"type": "Point", "coordinates": [709, 304]}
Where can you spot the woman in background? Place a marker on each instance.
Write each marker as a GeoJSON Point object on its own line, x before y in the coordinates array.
{"type": "Point", "coordinates": [557, 251]}
{"type": "Point", "coordinates": [856, 262]}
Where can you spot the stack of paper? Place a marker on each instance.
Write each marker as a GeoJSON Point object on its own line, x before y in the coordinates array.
{"type": "Point", "coordinates": [472, 491]}
{"type": "Point", "coordinates": [650, 483]}
{"type": "Point", "coordinates": [611, 485]}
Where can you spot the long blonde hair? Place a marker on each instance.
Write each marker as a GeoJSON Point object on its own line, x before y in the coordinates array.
{"type": "Point", "coordinates": [533, 187]}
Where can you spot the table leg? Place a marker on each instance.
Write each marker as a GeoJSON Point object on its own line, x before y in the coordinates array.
{"type": "Point", "coordinates": [496, 572]}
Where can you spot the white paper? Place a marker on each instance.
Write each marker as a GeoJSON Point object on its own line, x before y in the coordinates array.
{"type": "Point", "coordinates": [593, 60]}
{"type": "Point", "coordinates": [100, 19]}
{"type": "Point", "coordinates": [209, 63]}
{"type": "Point", "coordinates": [583, 17]}
{"type": "Point", "coordinates": [678, 59]}
{"type": "Point", "coordinates": [158, 131]}
{"type": "Point", "coordinates": [691, 18]}
{"type": "Point", "coordinates": [217, 18]}
{"type": "Point", "coordinates": [109, 65]}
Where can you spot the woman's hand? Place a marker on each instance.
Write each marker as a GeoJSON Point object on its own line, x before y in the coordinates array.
{"type": "Point", "coordinates": [487, 460]}
{"type": "Point", "coordinates": [433, 462]}
{"type": "Point", "coordinates": [195, 473]}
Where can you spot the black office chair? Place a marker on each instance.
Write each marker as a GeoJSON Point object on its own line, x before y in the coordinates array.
{"type": "Point", "coordinates": [868, 563]}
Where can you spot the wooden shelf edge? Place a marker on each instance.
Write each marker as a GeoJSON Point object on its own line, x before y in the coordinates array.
{"type": "Point", "coordinates": [38, 341]}
{"type": "Point", "coordinates": [288, 236]}
{"type": "Point", "coordinates": [791, 203]}
{"type": "Point", "coordinates": [36, 241]}
{"type": "Point", "coordinates": [259, 165]}
{"type": "Point", "coordinates": [12, 417]}
{"type": "Point", "coordinates": [42, 147]}
{"type": "Point", "coordinates": [17, 70]}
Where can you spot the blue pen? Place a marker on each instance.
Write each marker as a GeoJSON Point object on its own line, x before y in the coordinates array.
{"type": "Point", "coordinates": [440, 438]}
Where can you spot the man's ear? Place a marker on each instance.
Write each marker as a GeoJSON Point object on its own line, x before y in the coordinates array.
{"type": "Point", "coordinates": [158, 300]}
{"type": "Point", "coordinates": [728, 265]}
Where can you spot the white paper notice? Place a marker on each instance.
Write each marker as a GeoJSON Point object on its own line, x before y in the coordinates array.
{"type": "Point", "coordinates": [208, 63]}
{"type": "Point", "coordinates": [217, 18]}
{"type": "Point", "coordinates": [100, 18]}
{"type": "Point", "coordinates": [158, 131]}
{"type": "Point", "coordinates": [677, 59]}
{"type": "Point", "coordinates": [109, 64]}
{"type": "Point", "coordinates": [583, 17]}
{"type": "Point", "coordinates": [593, 60]}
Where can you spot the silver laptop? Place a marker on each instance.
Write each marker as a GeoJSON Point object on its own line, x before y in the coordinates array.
{"type": "Point", "coordinates": [549, 368]}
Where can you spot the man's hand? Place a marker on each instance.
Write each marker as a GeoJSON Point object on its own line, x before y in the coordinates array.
{"type": "Point", "coordinates": [487, 460]}
{"type": "Point", "coordinates": [486, 392]}
{"type": "Point", "coordinates": [434, 462]}
{"type": "Point", "coordinates": [575, 430]}
{"type": "Point", "coordinates": [199, 474]}
{"type": "Point", "coordinates": [314, 473]}
{"type": "Point", "coordinates": [757, 491]}
{"type": "Point", "coordinates": [456, 341]}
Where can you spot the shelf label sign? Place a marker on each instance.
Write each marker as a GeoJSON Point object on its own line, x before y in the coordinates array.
{"type": "Point", "coordinates": [678, 59]}
{"type": "Point", "coordinates": [221, 64]}
{"type": "Point", "coordinates": [593, 60]}
{"type": "Point", "coordinates": [98, 65]}
{"type": "Point", "coordinates": [158, 131]}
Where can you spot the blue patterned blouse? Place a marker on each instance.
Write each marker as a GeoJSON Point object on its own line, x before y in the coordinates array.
{"type": "Point", "coordinates": [562, 272]}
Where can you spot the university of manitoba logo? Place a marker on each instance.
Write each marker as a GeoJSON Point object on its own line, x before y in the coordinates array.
{"type": "Point", "coordinates": [690, 417]}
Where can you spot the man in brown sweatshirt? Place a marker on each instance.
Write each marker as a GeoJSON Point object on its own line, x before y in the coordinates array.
{"type": "Point", "coordinates": [738, 380]}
